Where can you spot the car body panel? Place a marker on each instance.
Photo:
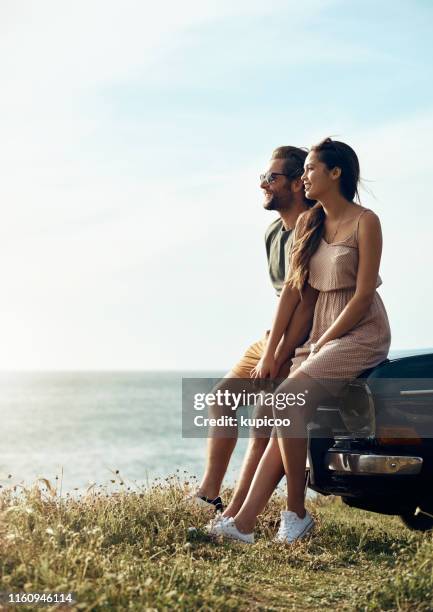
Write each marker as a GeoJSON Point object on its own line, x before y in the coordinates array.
{"type": "Point", "coordinates": [375, 446]}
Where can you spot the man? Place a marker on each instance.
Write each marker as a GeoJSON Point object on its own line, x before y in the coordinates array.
{"type": "Point", "coordinates": [284, 193]}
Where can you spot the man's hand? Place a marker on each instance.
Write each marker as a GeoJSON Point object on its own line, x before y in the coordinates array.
{"type": "Point", "coordinates": [267, 367]}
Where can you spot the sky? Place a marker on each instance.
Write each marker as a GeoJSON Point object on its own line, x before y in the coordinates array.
{"type": "Point", "coordinates": [132, 135]}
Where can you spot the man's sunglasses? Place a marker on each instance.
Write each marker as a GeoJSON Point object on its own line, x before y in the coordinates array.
{"type": "Point", "coordinates": [270, 177]}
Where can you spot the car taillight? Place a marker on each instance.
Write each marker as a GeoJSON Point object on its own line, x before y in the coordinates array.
{"type": "Point", "coordinates": [398, 436]}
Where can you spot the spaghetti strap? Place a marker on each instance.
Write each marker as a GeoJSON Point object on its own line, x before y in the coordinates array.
{"type": "Point", "coordinates": [357, 223]}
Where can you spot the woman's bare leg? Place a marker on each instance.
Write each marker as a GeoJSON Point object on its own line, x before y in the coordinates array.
{"type": "Point", "coordinates": [269, 473]}
{"type": "Point", "coordinates": [293, 440]}
{"type": "Point", "coordinates": [253, 455]}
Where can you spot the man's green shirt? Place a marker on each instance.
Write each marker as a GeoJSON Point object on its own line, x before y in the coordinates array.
{"type": "Point", "coordinates": [278, 244]}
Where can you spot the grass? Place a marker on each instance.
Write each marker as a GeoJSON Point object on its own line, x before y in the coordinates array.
{"type": "Point", "coordinates": [132, 551]}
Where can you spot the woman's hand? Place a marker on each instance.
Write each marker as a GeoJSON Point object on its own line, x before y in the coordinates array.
{"type": "Point", "coordinates": [267, 367]}
{"type": "Point", "coordinates": [315, 347]}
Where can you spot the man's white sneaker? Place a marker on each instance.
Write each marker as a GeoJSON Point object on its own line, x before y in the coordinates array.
{"type": "Point", "coordinates": [226, 528]}
{"type": "Point", "coordinates": [293, 528]}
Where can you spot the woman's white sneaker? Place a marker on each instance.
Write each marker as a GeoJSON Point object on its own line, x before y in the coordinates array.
{"type": "Point", "coordinates": [212, 527]}
{"type": "Point", "coordinates": [293, 528]}
{"type": "Point", "coordinates": [226, 528]}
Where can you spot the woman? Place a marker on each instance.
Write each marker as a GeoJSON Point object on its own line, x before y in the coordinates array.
{"type": "Point", "coordinates": [337, 250]}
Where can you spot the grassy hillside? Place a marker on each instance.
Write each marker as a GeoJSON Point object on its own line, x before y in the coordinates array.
{"type": "Point", "coordinates": [132, 550]}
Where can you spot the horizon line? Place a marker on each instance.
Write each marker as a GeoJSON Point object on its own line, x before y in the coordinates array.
{"type": "Point", "coordinates": [407, 352]}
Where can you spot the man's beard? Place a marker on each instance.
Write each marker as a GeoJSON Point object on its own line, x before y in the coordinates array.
{"type": "Point", "coordinates": [276, 203]}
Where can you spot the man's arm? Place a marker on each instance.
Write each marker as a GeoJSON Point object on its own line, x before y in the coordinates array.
{"type": "Point", "coordinates": [297, 330]}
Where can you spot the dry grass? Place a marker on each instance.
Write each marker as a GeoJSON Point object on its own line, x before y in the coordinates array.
{"type": "Point", "coordinates": [131, 550]}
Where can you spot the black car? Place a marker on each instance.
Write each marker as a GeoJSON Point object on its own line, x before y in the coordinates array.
{"type": "Point", "coordinates": [374, 446]}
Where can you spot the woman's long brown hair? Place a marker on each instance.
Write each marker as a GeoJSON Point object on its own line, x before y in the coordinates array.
{"type": "Point", "coordinates": [308, 233]}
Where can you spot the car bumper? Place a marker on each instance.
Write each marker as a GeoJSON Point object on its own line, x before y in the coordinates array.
{"type": "Point", "coordinates": [369, 464]}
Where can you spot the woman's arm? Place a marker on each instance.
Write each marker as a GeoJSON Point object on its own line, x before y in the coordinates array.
{"type": "Point", "coordinates": [299, 326]}
{"type": "Point", "coordinates": [370, 250]}
{"type": "Point", "coordinates": [287, 303]}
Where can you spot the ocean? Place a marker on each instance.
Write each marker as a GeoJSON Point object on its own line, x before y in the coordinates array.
{"type": "Point", "coordinates": [83, 427]}
{"type": "Point", "coordinates": [80, 429]}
